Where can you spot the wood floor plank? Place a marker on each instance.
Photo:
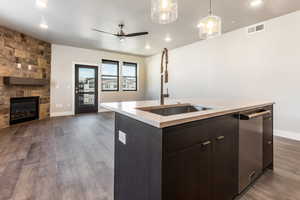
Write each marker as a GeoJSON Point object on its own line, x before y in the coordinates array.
{"type": "Point", "coordinates": [72, 158]}
{"type": "Point", "coordinates": [47, 189]}
{"type": "Point", "coordinates": [93, 188]}
{"type": "Point", "coordinates": [68, 183]}
{"type": "Point", "coordinates": [34, 154]}
{"type": "Point", "coordinates": [9, 179]}
{"type": "Point", "coordinates": [26, 185]}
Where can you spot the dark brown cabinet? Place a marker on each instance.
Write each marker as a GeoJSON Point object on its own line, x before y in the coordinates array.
{"type": "Point", "coordinates": [268, 140]}
{"type": "Point", "coordinates": [206, 170]}
{"type": "Point", "coordinates": [188, 173]}
{"type": "Point", "coordinates": [225, 151]}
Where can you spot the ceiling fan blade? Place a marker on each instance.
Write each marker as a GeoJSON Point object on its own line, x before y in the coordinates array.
{"type": "Point", "coordinates": [136, 34]}
{"type": "Point", "coordinates": [103, 32]}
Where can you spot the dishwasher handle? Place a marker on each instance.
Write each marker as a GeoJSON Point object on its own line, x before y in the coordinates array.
{"type": "Point", "coordinates": [255, 115]}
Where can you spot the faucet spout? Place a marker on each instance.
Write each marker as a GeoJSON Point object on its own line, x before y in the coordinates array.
{"type": "Point", "coordinates": [164, 77]}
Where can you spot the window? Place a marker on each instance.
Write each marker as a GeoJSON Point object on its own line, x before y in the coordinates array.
{"type": "Point", "coordinates": [129, 73]}
{"type": "Point", "coordinates": [110, 75]}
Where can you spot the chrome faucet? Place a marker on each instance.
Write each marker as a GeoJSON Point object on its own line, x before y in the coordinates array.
{"type": "Point", "coordinates": [164, 77]}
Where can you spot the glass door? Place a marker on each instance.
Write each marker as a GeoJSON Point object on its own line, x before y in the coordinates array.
{"type": "Point", "coordinates": [86, 89]}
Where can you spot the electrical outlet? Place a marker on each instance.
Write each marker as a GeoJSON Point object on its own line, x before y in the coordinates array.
{"type": "Point", "coordinates": [122, 137]}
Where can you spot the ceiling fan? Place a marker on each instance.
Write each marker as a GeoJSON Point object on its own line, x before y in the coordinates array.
{"type": "Point", "coordinates": [121, 35]}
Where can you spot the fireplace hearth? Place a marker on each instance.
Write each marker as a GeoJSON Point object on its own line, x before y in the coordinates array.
{"type": "Point", "coordinates": [24, 109]}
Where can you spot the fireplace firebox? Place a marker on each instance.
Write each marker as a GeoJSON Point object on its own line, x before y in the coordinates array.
{"type": "Point", "coordinates": [24, 109]}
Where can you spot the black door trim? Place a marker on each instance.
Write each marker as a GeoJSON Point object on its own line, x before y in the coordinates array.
{"type": "Point", "coordinates": [86, 109]}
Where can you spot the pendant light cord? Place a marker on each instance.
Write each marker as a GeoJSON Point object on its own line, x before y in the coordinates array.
{"type": "Point", "coordinates": [210, 10]}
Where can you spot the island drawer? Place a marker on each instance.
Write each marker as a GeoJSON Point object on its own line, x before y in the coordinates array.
{"type": "Point", "coordinates": [180, 137]}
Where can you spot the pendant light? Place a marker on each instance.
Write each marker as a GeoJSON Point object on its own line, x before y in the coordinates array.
{"type": "Point", "coordinates": [210, 26]}
{"type": "Point", "coordinates": [164, 11]}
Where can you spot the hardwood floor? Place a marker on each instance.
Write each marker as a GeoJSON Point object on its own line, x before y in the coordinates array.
{"type": "Point", "coordinates": [71, 158]}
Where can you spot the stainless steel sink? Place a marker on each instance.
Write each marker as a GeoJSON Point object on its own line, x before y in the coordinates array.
{"type": "Point", "coordinates": [174, 109]}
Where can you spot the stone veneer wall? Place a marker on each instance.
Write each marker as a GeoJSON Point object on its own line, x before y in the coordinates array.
{"type": "Point", "coordinates": [16, 48]}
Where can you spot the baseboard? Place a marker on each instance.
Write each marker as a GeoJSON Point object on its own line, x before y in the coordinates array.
{"type": "Point", "coordinates": [287, 134]}
{"type": "Point", "coordinates": [68, 113]}
{"type": "Point", "coordinates": [58, 114]}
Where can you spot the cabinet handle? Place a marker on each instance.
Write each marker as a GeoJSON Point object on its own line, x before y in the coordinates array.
{"type": "Point", "coordinates": [220, 138]}
{"type": "Point", "coordinates": [258, 114]}
{"type": "Point", "coordinates": [204, 144]}
{"type": "Point", "coordinates": [270, 142]}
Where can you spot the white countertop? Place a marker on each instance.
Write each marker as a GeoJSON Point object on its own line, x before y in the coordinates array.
{"type": "Point", "coordinates": [219, 107]}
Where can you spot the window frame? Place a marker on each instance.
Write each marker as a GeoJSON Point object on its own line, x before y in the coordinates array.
{"type": "Point", "coordinates": [117, 76]}
{"type": "Point", "coordinates": [136, 76]}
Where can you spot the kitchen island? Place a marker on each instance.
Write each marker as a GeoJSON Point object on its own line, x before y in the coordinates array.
{"type": "Point", "coordinates": [190, 149]}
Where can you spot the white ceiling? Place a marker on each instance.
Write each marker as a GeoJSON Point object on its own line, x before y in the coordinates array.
{"type": "Point", "coordinates": [70, 21]}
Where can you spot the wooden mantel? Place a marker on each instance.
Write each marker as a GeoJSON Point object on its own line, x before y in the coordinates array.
{"type": "Point", "coordinates": [17, 81]}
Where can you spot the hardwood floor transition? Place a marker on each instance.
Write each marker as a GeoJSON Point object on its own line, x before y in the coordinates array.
{"type": "Point", "coordinates": [71, 158]}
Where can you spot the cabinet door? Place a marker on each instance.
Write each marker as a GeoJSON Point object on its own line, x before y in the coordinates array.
{"type": "Point", "coordinates": [225, 162]}
{"type": "Point", "coordinates": [268, 142]}
{"type": "Point", "coordinates": [188, 173]}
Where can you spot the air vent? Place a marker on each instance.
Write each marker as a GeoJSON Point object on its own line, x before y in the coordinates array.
{"type": "Point", "coordinates": [255, 28]}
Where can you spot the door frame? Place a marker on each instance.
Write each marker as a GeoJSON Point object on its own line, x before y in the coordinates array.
{"type": "Point", "coordinates": [73, 81]}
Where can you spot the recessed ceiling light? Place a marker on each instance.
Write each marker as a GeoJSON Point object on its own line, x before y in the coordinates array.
{"type": "Point", "coordinates": [168, 39]}
{"type": "Point", "coordinates": [256, 3]}
{"type": "Point", "coordinates": [147, 46]}
{"type": "Point", "coordinates": [43, 26]}
{"type": "Point", "coordinates": [41, 3]}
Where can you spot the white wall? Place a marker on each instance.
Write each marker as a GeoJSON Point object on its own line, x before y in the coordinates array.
{"type": "Point", "coordinates": [265, 65]}
{"type": "Point", "coordinates": [62, 77]}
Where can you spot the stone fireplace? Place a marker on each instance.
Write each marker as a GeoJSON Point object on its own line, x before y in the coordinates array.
{"type": "Point", "coordinates": [22, 56]}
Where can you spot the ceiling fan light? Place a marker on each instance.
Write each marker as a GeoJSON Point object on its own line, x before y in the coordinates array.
{"type": "Point", "coordinates": [164, 11]}
{"type": "Point", "coordinates": [122, 39]}
{"type": "Point", "coordinates": [210, 27]}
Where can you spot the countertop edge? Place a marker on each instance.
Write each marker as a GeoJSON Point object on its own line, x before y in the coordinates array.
{"type": "Point", "coordinates": [188, 119]}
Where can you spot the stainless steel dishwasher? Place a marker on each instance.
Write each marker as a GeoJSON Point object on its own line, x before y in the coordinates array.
{"type": "Point", "coordinates": [250, 146]}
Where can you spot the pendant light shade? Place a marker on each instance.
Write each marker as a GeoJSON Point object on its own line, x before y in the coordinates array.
{"type": "Point", "coordinates": [210, 26]}
{"type": "Point", "coordinates": [164, 11]}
